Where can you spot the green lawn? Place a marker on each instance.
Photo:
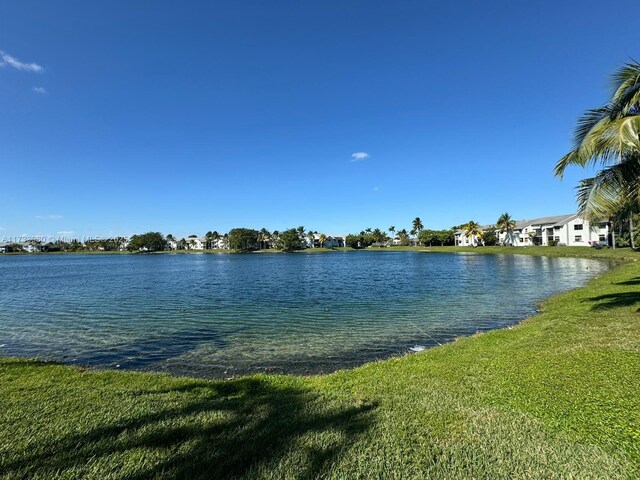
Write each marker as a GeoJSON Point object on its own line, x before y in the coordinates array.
{"type": "Point", "coordinates": [557, 396]}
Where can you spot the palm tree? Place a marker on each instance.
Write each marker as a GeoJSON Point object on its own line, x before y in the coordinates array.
{"type": "Point", "coordinates": [417, 226]}
{"type": "Point", "coordinates": [392, 231]}
{"type": "Point", "coordinates": [472, 230]}
{"type": "Point", "coordinates": [609, 136]}
{"type": "Point", "coordinates": [378, 236]}
{"type": "Point", "coordinates": [170, 238]}
{"type": "Point", "coordinates": [403, 235]}
{"type": "Point", "coordinates": [208, 240]}
{"type": "Point", "coordinates": [506, 224]}
{"type": "Point", "coordinates": [215, 237]}
{"type": "Point", "coordinates": [311, 239]}
{"type": "Point", "coordinates": [323, 238]}
{"type": "Point", "coordinates": [265, 236]}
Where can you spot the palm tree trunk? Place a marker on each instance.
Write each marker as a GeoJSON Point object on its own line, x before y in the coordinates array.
{"type": "Point", "coordinates": [633, 243]}
{"type": "Point", "coordinates": [613, 236]}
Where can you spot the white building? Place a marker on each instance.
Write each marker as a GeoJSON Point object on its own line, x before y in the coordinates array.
{"type": "Point", "coordinates": [461, 239]}
{"type": "Point", "coordinates": [571, 230]}
{"type": "Point", "coordinates": [331, 241]}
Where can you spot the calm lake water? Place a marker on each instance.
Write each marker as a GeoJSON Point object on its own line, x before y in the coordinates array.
{"type": "Point", "coordinates": [223, 315]}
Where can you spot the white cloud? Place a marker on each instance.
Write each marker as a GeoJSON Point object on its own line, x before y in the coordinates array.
{"type": "Point", "coordinates": [17, 64]}
{"type": "Point", "coordinates": [376, 189]}
{"type": "Point", "coordinates": [359, 156]}
{"type": "Point", "coordinates": [39, 90]}
{"type": "Point", "coordinates": [49, 217]}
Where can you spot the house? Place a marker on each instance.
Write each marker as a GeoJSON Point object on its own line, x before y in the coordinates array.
{"type": "Point", "coordinates": [570, 229]}
{"type": "Point", "coordinates": [28, 247]}
{"type": "Point", "coordinates": [196, 243]}
{"type": "Point", "coordinates": [461, 239]}
{"type": "Point", "coordinates": [331, 241]}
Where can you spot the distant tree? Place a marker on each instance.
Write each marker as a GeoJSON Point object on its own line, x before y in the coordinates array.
{"type": "Point", "coordinates": [489, 237]}
{"type": "Point", "coordinates": [378, 236]}
{"type": "Point", "coordinates": [473, 231]}
{"type": "Point", "coordinates": [392, 231]}
{"type": "Point", "coordinates": [265, 238]}
{"type": "Point", "coordinates": [416, 226]}
{"type": "Point", "coordinates": [323, 238]}
{"type": "Point", "coordinates": [208, 240]}
{"type": "Point", "coordinates": [310, 239]}
{"type": "Point", "coordinates": [428, 237]}
{"type": "Point", "coordinates": [146, 242]}
{"type": "Point", "coordinates": [182, 244]}
{"type": "Point", "coordinates": [404, 237]}
{"type": "Point", "coordinates": [446, 237]}
{"type": "Point", "coordinates": [243, 239]}
{"type": "Point", "coordinates": [506, 224]}
{"type": "Point", "coordinates": [353, 241]}
{"type": "Point", "coordinates": [215, 237]}
{"type": "Point", "coordinates": [289, 240]}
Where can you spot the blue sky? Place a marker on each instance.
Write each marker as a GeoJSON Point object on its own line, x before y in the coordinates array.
{"type": "Point", "coordinates": [185, 117]}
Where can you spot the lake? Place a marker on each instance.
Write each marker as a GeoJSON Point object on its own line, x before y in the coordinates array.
{"type": "Point", "coordinates": [221, 315]}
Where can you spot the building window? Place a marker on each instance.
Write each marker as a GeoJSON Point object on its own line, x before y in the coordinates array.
{"type": "Point", "coordinates": [602, 238]}
{"type": "Point", "coordinates": [577, 226]}
{"type": "Point", "coordinates": [603, 225]}
{"type": "Point", "coordinates": [578, 238]}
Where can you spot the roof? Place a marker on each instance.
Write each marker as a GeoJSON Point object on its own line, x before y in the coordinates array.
{"type": "Point", "coordinates": [553, 220]}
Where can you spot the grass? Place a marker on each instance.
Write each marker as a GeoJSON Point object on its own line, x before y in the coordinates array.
{"type": "Point", "coordinates": [555, 397]}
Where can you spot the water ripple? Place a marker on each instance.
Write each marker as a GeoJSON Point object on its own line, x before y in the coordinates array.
{"type": "Point", "coordinates": [218, 315]}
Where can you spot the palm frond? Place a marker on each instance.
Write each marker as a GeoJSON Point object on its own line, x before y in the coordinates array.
{"type": "Point", "coordinates": [607, 142]}
{"type": "Point", "coordinates": [587, 122]}
{"type": "Point", "coordinates": [611, 190]}
{"type": "Point", "coordinates": [623, 80]}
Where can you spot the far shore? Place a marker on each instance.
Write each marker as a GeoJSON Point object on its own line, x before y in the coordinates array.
{"type": "Point", "coordinates": [621, 253]}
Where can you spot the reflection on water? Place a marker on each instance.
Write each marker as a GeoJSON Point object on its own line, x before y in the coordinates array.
{"type": "Point", "coordinates": [222, 315]}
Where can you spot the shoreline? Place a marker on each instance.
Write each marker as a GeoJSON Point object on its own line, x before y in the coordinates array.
{"type": "Point", "coordinates": [621, 253]}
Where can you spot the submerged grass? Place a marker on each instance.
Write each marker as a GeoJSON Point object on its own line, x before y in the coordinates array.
{"type": "Point", "coordinates": [554, 397]}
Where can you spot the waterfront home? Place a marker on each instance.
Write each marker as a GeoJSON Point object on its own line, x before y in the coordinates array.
{"type": "Point", "coordinates": [19, 247]}
{"type": "Point", "coordinates": [196, 243]}
{"type": "Point", "coordinates": [461, 239]}
{"type": "Point", "coordinates": [570, 229]}
{"type": "Point", "coordinates": [331, 241]}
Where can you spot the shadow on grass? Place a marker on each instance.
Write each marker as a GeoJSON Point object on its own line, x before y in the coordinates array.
{"type": "Point", "coordinates": [615, 300]}
{"type": "Point", "coordinates": [633, 281]}
{"type": "Point", "coordinates": [207, 430]}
